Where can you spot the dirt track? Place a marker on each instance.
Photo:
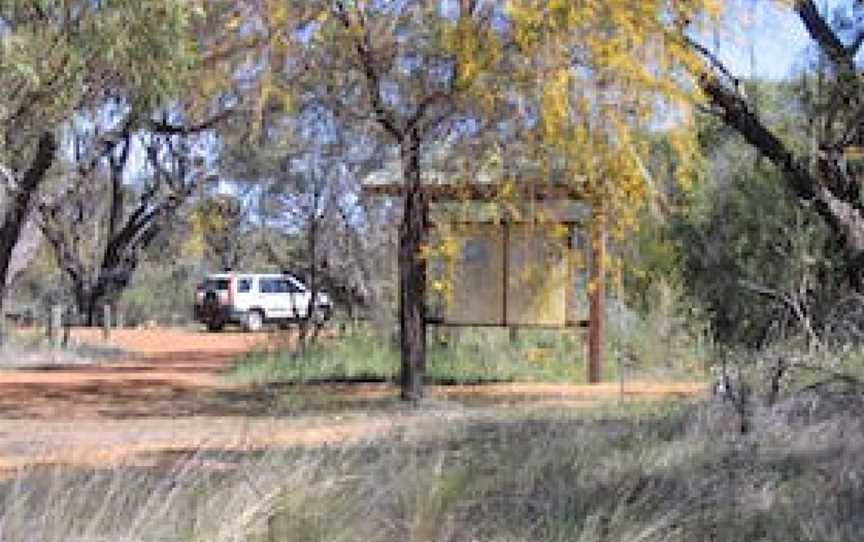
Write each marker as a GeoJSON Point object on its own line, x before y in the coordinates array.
{"type": "Point", "coordinates": [170, 397]}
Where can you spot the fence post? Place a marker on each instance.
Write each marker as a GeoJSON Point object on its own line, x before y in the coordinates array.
{"type": "Point", "coordinates": [106, 321]}
{"type": "Point", "coordinates": [54, 325]}
{"type": "Point", "coordinates": [67, 326]}
{"type": "Point", "coordinates": [2, 325]}
{"type": "Point", "coordinates": [120, 322]}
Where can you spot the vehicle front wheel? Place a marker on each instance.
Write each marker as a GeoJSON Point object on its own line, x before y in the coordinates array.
{"type": "Point", "coordinates": [215, 326]}
{"type": "Point", "coordinates": [254, 321]}
{"type": "Point", "coordinates": [320, 315]}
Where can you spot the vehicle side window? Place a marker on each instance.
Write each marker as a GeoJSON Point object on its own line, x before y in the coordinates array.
{"type": "Point", "coordinates": [284, 286]}
{"type": "Point", "coordinates": [244, 286]}
{"type": "Point", "coordinates": [267, 286]}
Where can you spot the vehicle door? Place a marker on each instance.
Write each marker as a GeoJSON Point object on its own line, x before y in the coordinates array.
{"type": "Point", "coordinates": [244, 297]}
{"type": "Point", "coordinates": [274, 298]}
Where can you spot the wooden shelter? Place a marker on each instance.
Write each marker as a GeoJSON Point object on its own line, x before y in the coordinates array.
{"type": "Point", "coordinates": [497, 243]}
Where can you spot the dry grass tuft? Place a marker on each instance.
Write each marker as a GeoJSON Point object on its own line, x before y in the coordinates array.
{"type": "Point", "coordinates": [641, 473]}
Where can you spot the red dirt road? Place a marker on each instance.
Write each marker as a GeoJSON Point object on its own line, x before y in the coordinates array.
{"type": "Point", "coordinates": [169, 397]}
{"type": "Point", "coordinates": [165, 371]}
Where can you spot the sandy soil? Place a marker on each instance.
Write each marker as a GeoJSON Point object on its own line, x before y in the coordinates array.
{"type": "Point", "coordinates": [169, 397]}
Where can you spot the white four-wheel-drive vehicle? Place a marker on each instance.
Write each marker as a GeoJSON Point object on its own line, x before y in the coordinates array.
{"type": "Point", "coordinates": [252, 299]}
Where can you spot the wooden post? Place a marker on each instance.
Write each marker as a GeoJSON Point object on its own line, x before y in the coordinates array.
{"type": "Point", "coordinates": [106, 321]}
{"type": "Point", "coordinates": [621, 358]}
{"type": "Point", "coordinates": [67, 327]}
{"type": "Point", "coordinates": [596, 296]}
{"type": "Point", "coordinates": [54, 325]}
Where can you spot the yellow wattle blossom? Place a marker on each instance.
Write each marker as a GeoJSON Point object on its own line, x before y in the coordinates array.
{"type": "Point", "coordinates": [612, 74]}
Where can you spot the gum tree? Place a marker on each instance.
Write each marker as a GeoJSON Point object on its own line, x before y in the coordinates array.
{"type": "Point", "coordinates": [406, 71]}
{"type": "Point", "coordinates": [106, 212]}
{"type": "Point", "coordinates": [57, 58]}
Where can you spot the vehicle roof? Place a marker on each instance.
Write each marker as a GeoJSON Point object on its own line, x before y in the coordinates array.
{"type": "Point", "coordinates": [238, 274]}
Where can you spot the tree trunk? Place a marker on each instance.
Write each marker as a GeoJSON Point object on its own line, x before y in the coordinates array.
{"type": "Point", "coordinates": [86, 300]}
{"type": "Point", "coordinates": [91, 298]}
{"type": "Point", "coordinates": [19, 205]}
{"type": "Point", "coordinates": [307, 320]}
{"type": "Point", "coordinates": [81, 295]}
{"type": "Point", "coordinates": [412, 273]}
{"type": "Point", "coordinates": [313, 273]}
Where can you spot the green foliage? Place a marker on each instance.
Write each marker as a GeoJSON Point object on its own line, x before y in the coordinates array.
{"type": "Point", "coordinates": [58, 57]}
{"type": "Point", "coordinates": [218, 232]}
{"type": "Point", "coordinates": [160, 292]}
{"type": "Point", "coordinates": [490, 355]}
{"type": "Point", "coordinates": [752, 253]}
{"type": "Point", "coordinates": [357, 357]}
{"type": "Point", "coordinates": [747, 257]}
{"type": "Point", "coordinates": [651, 265]}
{"type": "Point", "coordinates": [667, 340]}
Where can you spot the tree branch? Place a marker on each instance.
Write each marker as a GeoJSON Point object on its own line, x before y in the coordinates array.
{"type": "Point", "coordinates": [824, 36]}
{"type": "Point", "coordinates": [163, 127]}
{"type": "Point", "coordinates": [371, 76]}
{"type": "Point", "coordinates": [715, 62]}
{"type": "Point", "coordinates": [853, 47]}
{"type": "Point", "coordinates": [736, 113]}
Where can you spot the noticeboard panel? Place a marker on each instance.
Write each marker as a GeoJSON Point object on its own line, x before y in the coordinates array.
{"type": "Point", "coordinates": [476, 278]}
{"type": "Point", "coordinates": [540, 271]}
{"type": "Point", "coordinates": [537, 276]}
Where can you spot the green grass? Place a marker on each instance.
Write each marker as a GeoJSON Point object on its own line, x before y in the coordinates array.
{"type": "Point", "coordinates": [476, 356]}
{"type": "Point", "coordinates": [463, 356]}
{"type": "Point", "coordinates": [352, 358]}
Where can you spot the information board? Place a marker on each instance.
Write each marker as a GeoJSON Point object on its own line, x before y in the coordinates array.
{"type": "Point", "coordinates": [510, 274]}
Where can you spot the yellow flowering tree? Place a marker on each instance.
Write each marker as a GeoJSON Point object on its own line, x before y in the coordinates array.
{"type": "Point", "coordinates": [609, 74]}
{"type": "Point", "coordinates": [610, 69]}
{"type": "Point", "coordinates": [409, 73]}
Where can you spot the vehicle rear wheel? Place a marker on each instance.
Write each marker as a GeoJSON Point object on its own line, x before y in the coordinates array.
{"type": "Point", "coordinates": [254, 321]}
{"type": "Point", "coordinates": [320, 315]}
